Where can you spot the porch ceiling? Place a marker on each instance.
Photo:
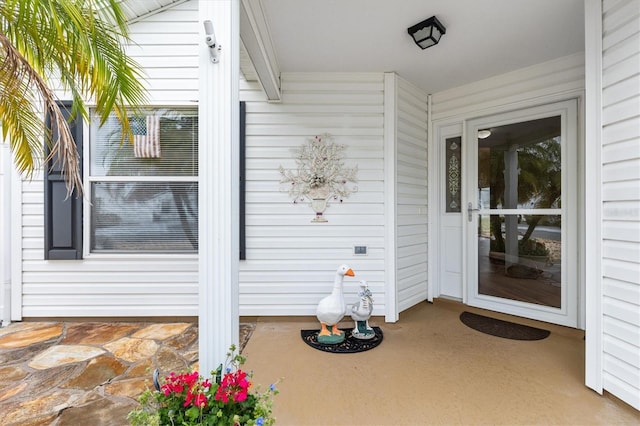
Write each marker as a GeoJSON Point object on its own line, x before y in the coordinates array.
{"type": "Point", "coordinates": [484, 37]}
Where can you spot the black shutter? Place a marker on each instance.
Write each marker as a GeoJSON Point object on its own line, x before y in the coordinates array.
{"type": "Point", "coordinates": [242, 234]}
{"type": "Point", "coordinates": [62, 214]}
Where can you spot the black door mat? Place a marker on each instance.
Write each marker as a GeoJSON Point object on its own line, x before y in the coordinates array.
{"type": "Point", "coordinates": [348, 346]}
{"type": "Point", "coordinates": [500, 328]}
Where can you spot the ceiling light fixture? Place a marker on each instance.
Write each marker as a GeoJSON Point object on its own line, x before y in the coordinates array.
{"type": "Point", "coordinates": [427, 33]}
{"type": "Point", "coordinates": [484, 133]}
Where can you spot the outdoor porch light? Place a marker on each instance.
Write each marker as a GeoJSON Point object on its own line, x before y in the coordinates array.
{"type": "Point", "coordinates": [484, 133]}
{"type": "Point", "coordinates": [427, 33]}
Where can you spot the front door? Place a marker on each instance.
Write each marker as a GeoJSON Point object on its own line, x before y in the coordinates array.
{"type": "Point", "coordinates": [521, 213]}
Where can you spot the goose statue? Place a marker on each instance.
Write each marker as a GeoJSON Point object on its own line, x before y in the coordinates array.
{"type": "Point", "coordinates": [361, 312]}
{"type": "Point", "coordinates": [332, 308]}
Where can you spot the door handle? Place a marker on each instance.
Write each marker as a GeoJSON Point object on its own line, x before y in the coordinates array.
{"type": "Point", "coordinates": [470, 211]}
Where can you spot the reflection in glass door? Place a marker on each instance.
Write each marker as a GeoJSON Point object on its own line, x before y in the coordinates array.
{"type": "Point", "coordinates": [521, 214]}
{"type": "Point", "coordinates": [519, 251]}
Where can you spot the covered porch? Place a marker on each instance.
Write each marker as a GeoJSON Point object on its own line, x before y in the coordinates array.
{"type": "Point", "coordinates": [306, 71]}
{"type": "Point", "coordinates": [429, 369]}
{"type": "Point", "coordinates": [432, 369]}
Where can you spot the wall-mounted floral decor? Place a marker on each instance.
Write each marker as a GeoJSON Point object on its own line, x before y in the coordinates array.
{"type": "Point", "coordinates": [321, 175]}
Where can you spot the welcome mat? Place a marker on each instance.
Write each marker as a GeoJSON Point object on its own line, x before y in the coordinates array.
{"type": "Point", "coordinates": [348, 346]}
{"type": "Point", "coordinates": [500, 328]}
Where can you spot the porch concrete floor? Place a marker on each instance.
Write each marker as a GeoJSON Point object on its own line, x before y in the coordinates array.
{"type": "Point", "coordinates": [429, 369]}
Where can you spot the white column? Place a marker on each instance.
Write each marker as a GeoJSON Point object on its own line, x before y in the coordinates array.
{"type": "Point", "coordinates": [390, 243]}
{"type": "Point", "coordinates": [218, 134]}
{"type": "Point", "coordinates": [5, 233]}
{"type": "Point", "coordinates": [594, 335]}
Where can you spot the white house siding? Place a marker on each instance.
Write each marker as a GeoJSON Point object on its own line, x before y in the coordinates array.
{"type": "Point", "coordinates": [621, 199]}
{"type": "Point", "coordinates": [130, 285]}
{"type": "Point", "coordinates": [411, 195]}
{"type": "Point", "coordinates": [291, 262]}
{"type": "Point", "coordinates": [166, 46]}
{"type": "Point", "coordinates": [541, 83]}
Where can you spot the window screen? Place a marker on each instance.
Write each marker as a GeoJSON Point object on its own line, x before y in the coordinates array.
{"type": "Point", "coordinates": [144, 195]}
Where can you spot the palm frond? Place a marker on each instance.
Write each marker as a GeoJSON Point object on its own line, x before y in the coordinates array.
{"type": "Point", "coordinates": [78, 46]}
{"type": "Point", "coordinates": [21, 120]}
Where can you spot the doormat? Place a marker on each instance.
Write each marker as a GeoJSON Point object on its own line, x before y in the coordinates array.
{"type": "Point", "coordinates": [348, 346]}
{"type": "Point", "coordinates": [500, 328]}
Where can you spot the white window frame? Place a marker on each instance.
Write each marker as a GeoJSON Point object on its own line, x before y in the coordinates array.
{"type": "Point", "coordinates": [87, 195]}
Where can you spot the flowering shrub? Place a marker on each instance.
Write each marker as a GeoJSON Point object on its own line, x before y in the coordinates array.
{"type": "Point", "coordinates": [189, 399]}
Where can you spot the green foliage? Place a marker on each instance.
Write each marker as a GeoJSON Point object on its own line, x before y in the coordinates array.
{"type": "Point", "coordinates": [74, 45]}
{"type": "Point", "coordinates": [188, 399]}
{"type": "Point", "coordinates": [532, 247]}
{"type": "Point", "coordinates": [529, 247]}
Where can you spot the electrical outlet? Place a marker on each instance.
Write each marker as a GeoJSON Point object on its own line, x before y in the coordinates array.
{"type": "Point", "coordinates": [362, 250]}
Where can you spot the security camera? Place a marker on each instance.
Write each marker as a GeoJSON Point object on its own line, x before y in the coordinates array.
{"type": "Point", "coordinates": [211, 37]}
{"type": "Point", "coordinates": [210, 40]}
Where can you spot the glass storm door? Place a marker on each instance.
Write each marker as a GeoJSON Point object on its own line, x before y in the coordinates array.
{"type": "Point", "coordinates": [521, 213]}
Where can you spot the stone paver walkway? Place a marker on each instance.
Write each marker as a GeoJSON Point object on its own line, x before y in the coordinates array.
{"type": "Point", "coordinates": [88, 373]}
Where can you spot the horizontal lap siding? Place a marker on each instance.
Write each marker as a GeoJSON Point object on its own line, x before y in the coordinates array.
{"type": "Point", "coordinates": [127, 286]}
{"type": "Point", "coordinates": [411, 195]}
{"type": "Point", "coordinates": [553, 78]}
{"type": "Point", "coordinates": [621, 199]}
{"type": "Point", "coordinates": [166, 46]}
{"type": "Point", "coordinates": [291, 262]}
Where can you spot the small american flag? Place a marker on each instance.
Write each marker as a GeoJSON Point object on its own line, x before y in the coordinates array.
{"type": "Point", "coordinates": [147, 144]}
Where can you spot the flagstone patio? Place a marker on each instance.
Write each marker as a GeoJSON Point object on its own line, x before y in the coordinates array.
{"type": "Point", "coordinates": [89, 373]}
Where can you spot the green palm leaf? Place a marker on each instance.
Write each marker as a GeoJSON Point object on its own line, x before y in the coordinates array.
{"type": "Point", "coordinates": [77, 46]}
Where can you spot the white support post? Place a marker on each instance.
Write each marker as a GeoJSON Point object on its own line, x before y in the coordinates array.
{"type": "Point", "coordinates": [15, 240]}
{"type": "Point", "coordinates": [5, 233]}
{"type": "Point", "coordinates": [593, 196]}
{"type": "Point", "coordinates": [390, 136]}
{"type": "Point", "coordinates": [218, 184]}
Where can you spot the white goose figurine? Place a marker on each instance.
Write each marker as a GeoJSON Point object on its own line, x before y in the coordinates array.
{"type": "Point", "coordinates": [332, 308]}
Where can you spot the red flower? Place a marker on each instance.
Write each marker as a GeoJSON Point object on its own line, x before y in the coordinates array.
{"type": "Point", "coordinates": [201, 400]}
{"type": "Point", "coordinates": [191, 379]}
{"type": "Point", "coordinates": [240, 396]}
{"type": "Point", "coordinates": [197, 399]}
{"type": "Point", "coordinates": [233, 386]}
{"type": "Point", "coordinates": [173, 384]}
{"type": "Point", "coordinates": [188, 400]}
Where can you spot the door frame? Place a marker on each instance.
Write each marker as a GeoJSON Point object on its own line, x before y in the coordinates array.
{"type": "Point", "coordinates": [442, 131]}
{"type": "Point", "coordinates": [490, 106]}
{"type": "Point", "coordinates": [568, 313]}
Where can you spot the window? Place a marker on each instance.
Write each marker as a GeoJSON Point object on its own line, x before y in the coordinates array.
{"type": "Point", "coordinates": [453, 186]}
{"type": "Point", "coordinates": [144, 196]}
